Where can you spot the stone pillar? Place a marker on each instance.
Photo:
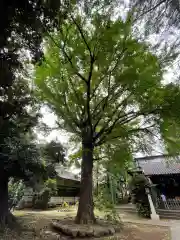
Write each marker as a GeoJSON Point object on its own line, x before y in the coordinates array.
{"type": "Point", "coordinates": [154, 215]}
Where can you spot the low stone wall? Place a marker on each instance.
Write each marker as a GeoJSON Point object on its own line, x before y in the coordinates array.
{"type": "Point", "coordinates": [69, 228]}
{"type": "Point", "coordinates": [26, 201]}
{"type": "Point", "coordinates": [60, 200]}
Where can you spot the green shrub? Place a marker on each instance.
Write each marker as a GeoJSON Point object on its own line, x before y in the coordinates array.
{"type": "Point", "coordinates": [138, 186]}
{"type": "Point", "coordinates": [65, 205]}
{"type": "Point", "coordinates": [111, 215]}
{"type": "Point", "coordinates": [103, 200]}
{"type": "Point", "coordinates": [143, 210]}
{"type": "Point", "coordinates": [103, 203]}
{"type": "Point", "coordinates": [40, 200]}
{"type": "Point", "coordinates": [15, 192]}
{"type": "Point", "coordinates": [52, 185]}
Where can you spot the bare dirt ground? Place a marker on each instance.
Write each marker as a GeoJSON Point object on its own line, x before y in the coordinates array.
{"type": "Point", "coordinates": [33, 222]}
{"type": "Point", "coordinates": [144, 232]}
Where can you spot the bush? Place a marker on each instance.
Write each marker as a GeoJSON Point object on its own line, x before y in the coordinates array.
{"type": "Point", "coordinates": [138, 186]}
{"type": "Point", "coordinates": [143, 210]}
{"type": "Point", "coordinates": [65, 205]}
{"type": "Point", "coordinates": [15, 192]}
{"type": "Point", "coordinates": [52, 185]}
{"type": "Point", "coordinates": [111, 215]}
{"type": "Point", "coordinates": [103, 202]}
{"type": "Point", "coordinates": [40, 201]}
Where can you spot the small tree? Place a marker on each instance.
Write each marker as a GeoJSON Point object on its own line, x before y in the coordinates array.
{"type": "Point", "coordinates": [104, 86]}
{"type": "Point", "coordinates": [52, 153]}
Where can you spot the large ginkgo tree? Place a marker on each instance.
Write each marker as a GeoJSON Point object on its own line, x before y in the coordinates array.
{"type": "Point", "coordinates": [104, 87]}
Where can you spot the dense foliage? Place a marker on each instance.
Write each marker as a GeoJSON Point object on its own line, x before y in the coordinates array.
{"type": "Point", "coordinates": [19, 155]}
{"type": "Point", "coordinates": [21, 29]}
{"type": "Point", "coordinates": [41, 199]}
{"type": "Point", "coordinates": [19, 152]}
{"type": "Point", "coordinates": [138, 185]}
{"type": "Point", "coordinates": [21, 33]}
{"type": "Point", "coordinates": [158, 22]}
{"type": "Point", "coordinates": [111, 174]}
{"type": "Point", "coordinates": [52, 153]}
{"type": "Point", "coordinates": [51, 184]}
{"type": "Point", "coordinates": [15, 192]}
{"type": "Point", "coordinates": [115, 91]}
{"type": "Point", "coordinates": [160, 13]}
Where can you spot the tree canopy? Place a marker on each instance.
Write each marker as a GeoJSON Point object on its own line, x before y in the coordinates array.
{"type": "Point", "coordinates": [52, 153]}
{"type": "Point", "coordinates": [158, 21]}
{"type": "Point", "coordinates": [93, 66]}
{"type": "Point", "coordinates": [21, 34]}
{"type": "Point", "coordinates": [105, 86]}
{"type": "Point", "coordinates": [163, 12]}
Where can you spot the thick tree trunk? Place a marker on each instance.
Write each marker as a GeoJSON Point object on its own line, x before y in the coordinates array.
{"type": "Point", "coordinates": [97, 179]}
{"type": "Point", "coordinates": [5, 216]}
{"type": "Point", "coordinates": [3, 199]}
{"type": "Point", "coordinates": [85, 212]}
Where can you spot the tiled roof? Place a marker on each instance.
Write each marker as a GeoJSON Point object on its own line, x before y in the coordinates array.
{"type": "Point", "coordinates": [159, 165]}
{"type": "Point", "coordinates": [63, 173]}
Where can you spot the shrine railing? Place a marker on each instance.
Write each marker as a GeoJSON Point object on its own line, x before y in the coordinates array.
{"type": "Point", "coordinates": [170, 203]}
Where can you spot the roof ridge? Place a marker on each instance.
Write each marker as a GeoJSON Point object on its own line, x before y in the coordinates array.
{"type": "Point", "coordinates": [155, 156]}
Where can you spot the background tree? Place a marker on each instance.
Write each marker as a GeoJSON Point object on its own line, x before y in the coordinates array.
{"type": "Point", "coordinates": [21, 29]}
{"type": "Point", "coordinates": [158, 22]}
{"type": "Point", "coordinates": [19, 156]}
{"type": "Point", "coordinates": [157, 11]}
{"type": "Point", "coordinates": [21, 32]}
{"type": "Point", "coordinates": [110, 173]}
{"type": "Point", "coordinates": [52, 153]}
{"type": "Point", "coordinates": [104, 85]}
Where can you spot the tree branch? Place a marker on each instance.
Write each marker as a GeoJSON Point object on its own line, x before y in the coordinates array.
{"type": "Point", "coordinates": [105, 99]}
{"type": "Point", "coordinates": [103, 139]}
{"type": "Point", "coordinates": [89, 94]}
{"type": "Point", "coordinates": [69, 112]}
{"type": "Point", "coordinates": [77, 97]}
{"type": "Point", "coordinates": [110, 71]}
{"type": "Point", "coordinates": [67, 56]}
{"type": "Point", "coordinates": [96, 159]}
{"type": "Point", "coordinates": [111, 116]}
{"type": "Point", "coordinates": [92, 60]}
{"type": "Point", "coordinates": [83, 37]}
{"type": "Point", "coordinates": [106, 131]}
{"type": "Point", "coordinates": [76, 94]}
{"type": "Point", "coordinates": [149, 10]}
{"type": "Point", "coordinates": [62, 113]}
{"type": "Point", "coordinates": [74, 130]}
